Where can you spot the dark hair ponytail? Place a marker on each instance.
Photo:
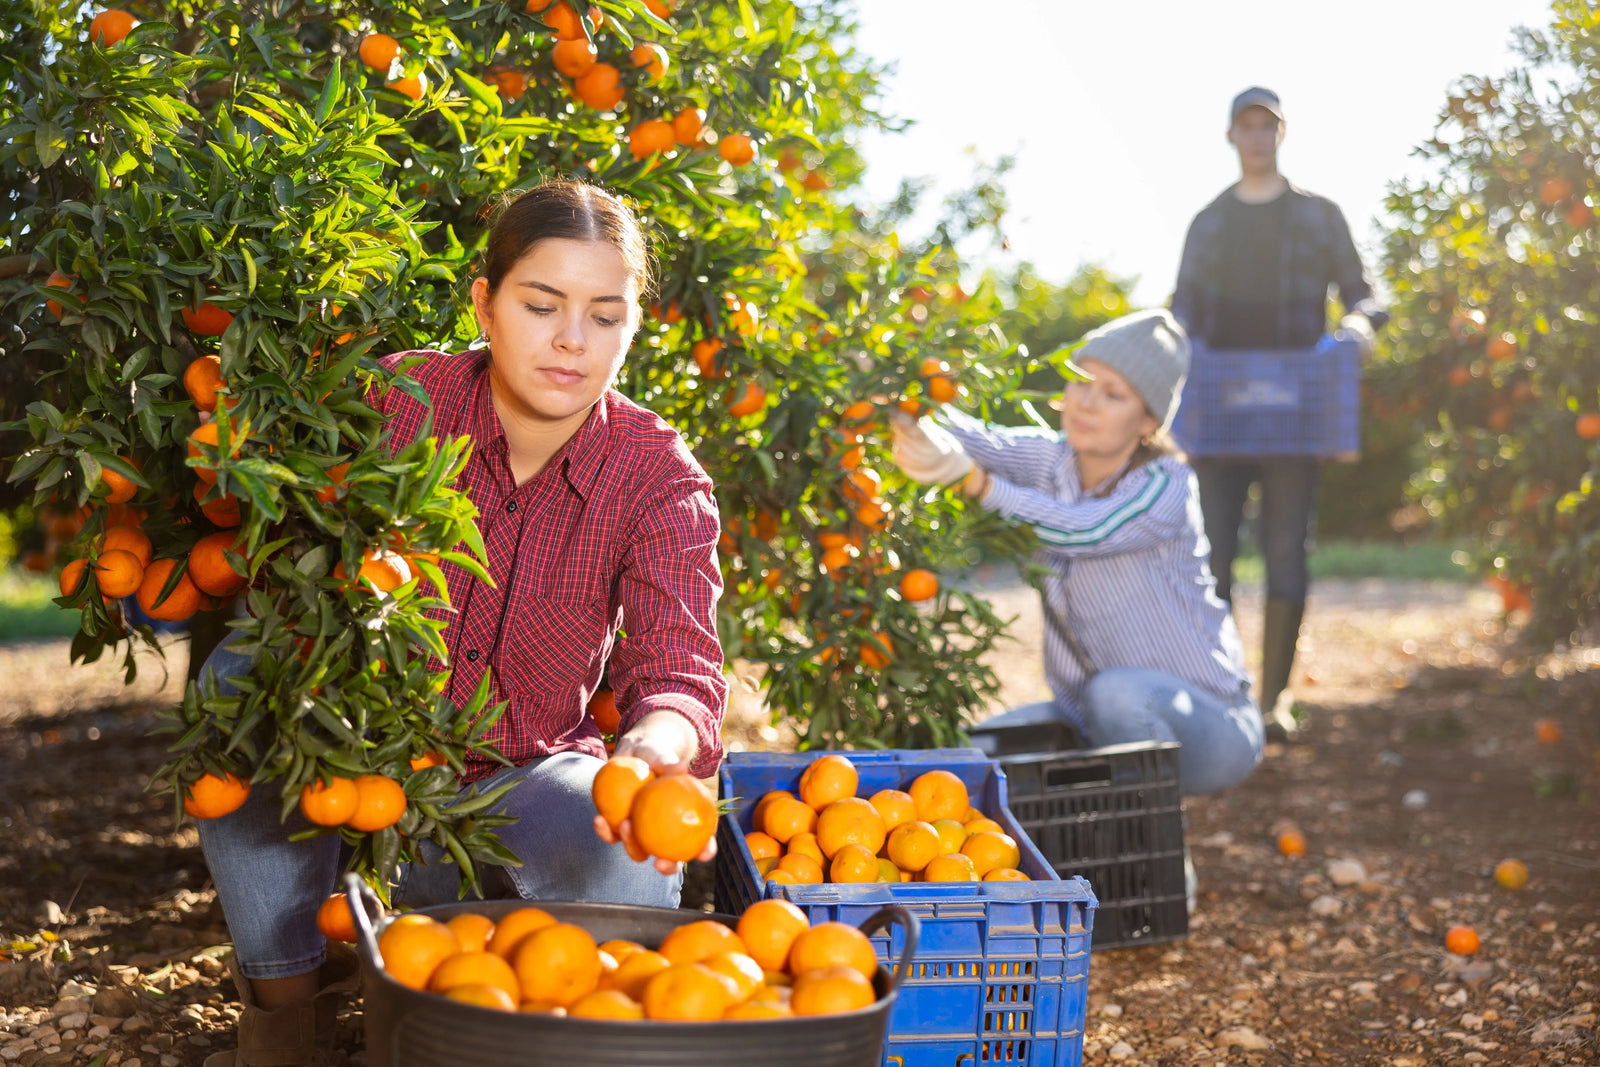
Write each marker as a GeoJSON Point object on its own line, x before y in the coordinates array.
{"type": "Point", "coordinates": [564, 209]}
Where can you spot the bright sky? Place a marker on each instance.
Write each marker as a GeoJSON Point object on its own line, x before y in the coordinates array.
{"type": "Point", "coordinates": [1117, 112]}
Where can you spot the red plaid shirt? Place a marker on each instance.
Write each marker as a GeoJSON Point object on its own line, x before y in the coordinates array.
{"type": "Point", "coordinates": [619, 530]}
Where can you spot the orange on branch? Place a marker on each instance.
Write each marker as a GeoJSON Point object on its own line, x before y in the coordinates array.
{"type": "Point", "coordinates": [650, 137]}
{"type": "Point", "coordinates": [213, 796]}
{"type": "Point", "coordinates": [119, 487]}
{"type": "Point", "coordinates": [221, 510]}
{"type": "Point", "coordinates": [737, 149]}
{"type": "Point", "coordinates": [209, 568]}
{"type": "Point", "coordinates": [603, 710]}
{"type": "Point", "coordinates": [118, 573]}
{"type": "Point", "coordinates": [330, 803]}
{"type": "Point", "coordinates": [746, 399]}
{"type": "Point", "coordinates": [110, 26]}
{"type": "Point", "coordinates": [201, 380]}
{"type": "Point", "coordinates": [180, 604]}
{"type": "Point", "coordinates": [412, 87]}
{"type": "Point", "coordinates": [599, 88]}
{"type": "Point", "coordinates": [379, 51]}
{"type": "Point", "coordinates": [207, 320]}
{"type": "Point", "coordinates": [575, 58]}
{"type": "Point", "coordinates": [652, 58]}
{"type": "Point", "coordinates": [380, 802]}
{"type": "Point", "coordinates": [57, 280]}
{"type": "Point", "coordinates": [919, 585]}
{"type": "Point", "coordinates": [687, 125]}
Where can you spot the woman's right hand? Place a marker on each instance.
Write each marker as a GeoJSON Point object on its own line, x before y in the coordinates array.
{"type": "Point", "coordinates": [927, 452]}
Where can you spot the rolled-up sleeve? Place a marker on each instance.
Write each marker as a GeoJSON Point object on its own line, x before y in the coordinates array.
{"type": "Point", "coordinates": [669, 657]}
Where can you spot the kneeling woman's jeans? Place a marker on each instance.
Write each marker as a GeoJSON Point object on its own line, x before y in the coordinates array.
{"type": "Point", "coordinates": [1221, 739]}
{"type": "Point", "coordinates": [270, 888]}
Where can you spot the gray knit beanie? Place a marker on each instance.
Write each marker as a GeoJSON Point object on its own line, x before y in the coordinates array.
{"type": "Point", "coordinates": [1149, 349]}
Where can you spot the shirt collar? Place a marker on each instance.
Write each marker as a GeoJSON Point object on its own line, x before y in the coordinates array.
{"type": "Point", "coordinates": [580, 458]}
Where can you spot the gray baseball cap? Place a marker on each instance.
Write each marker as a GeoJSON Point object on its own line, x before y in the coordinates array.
{"type": "Point", "coordinates": [1256, 96]}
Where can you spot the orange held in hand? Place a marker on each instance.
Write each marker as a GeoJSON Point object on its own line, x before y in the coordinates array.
{"type": "Point", "coordinates": [673, 818]}
{"type": "Point", "coordinates": [615, 786]}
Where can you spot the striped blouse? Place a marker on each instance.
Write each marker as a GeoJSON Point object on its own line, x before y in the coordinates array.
{"type": "Point", "coordinates": [1129, 572]}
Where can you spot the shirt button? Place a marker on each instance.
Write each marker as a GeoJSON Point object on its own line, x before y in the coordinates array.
{"type": "Point", "coordinates": [512, 507]}
{"type": "Point", "coordinates": [472, 656]}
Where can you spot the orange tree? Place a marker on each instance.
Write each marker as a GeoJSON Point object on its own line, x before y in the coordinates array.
{"type": "Point", "coordinates": [1493, 263]}
{"type": "Point", "coordinates": [218, 215]}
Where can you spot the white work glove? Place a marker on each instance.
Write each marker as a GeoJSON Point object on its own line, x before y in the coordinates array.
{"type": "Point", "coordinates": [1360, 331]}
{"type": "Point", "coordinates": [927, 452]}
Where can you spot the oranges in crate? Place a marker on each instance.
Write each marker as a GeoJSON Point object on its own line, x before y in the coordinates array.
{"type": "Point", "coordinates": [774, 964]}
{"type": "Point", "coordinates": [929, 832]}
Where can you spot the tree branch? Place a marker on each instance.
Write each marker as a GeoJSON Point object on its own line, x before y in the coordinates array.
{"type": "Point", "coordinates": [11, 266]}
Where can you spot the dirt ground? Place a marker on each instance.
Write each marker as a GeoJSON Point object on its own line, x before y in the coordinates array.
{"type": "Point", "coordinates": [1420, 773]}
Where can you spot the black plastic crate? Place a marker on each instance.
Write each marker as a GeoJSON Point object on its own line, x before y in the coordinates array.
{"type": "Point", "coordinates": [1115, 816]}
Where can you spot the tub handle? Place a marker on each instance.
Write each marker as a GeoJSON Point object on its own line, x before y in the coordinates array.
{"type": "Point", "coordinates": [894, 913]}
{"type": "Point", "coordinates": [358, 894]}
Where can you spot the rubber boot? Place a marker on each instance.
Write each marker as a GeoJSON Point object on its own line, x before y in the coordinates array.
{"type": "Point", "coordinates": [1280, 632]}
{"type": "Point", "coordinates": [299, 1034]}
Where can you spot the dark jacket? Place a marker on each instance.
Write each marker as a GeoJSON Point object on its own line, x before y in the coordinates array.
{"type": "Point", "coordinates": [1317, 252]}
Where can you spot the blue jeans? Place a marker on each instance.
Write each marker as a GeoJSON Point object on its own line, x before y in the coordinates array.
{"type": "Point", "coordinates": [1221, 740]}
{"type": "Point", "coordinates": [1288, 504]}
{"type": "Point", "coordinates": [270, 888]}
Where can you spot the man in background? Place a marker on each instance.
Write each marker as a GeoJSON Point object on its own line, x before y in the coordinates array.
{"type": "Point", "coordinates": [1256, 270]}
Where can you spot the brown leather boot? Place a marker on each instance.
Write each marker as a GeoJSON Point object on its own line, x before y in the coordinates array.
{"type": "Point", "coordinates": [299, 1034]}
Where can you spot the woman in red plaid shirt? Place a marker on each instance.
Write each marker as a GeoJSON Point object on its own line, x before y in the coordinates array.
{"type": "Point", "coordinates": [595, 516]}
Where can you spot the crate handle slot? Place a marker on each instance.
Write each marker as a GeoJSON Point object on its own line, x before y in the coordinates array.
{"type": "Point", "coordinates": [1081, 774]}
{"type": "Point", "coordinates": [894, 913]}
{"type": "Point", "coordinates": [358, 894]}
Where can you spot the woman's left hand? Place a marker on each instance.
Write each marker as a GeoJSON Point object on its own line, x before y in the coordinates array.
{"type": "Point", "coordinates": [666, 741]}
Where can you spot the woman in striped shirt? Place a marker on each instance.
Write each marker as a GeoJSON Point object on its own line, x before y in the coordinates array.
{"type": "Point", "coordinates": [1137, 645]}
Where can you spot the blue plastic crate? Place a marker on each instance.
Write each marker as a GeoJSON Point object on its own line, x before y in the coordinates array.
{"type": "Point", "coordinates": [1001, 974]}
{"type": "Point", "coordinates": [1272, 402]}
